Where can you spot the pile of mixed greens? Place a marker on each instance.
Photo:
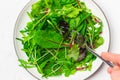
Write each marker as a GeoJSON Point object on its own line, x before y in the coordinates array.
{"type": "Point", "coordinates": [53, 39]}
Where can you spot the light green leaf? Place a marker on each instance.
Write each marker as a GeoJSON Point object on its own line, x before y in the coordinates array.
{"type": "Point", "coordinates": [73, 53]}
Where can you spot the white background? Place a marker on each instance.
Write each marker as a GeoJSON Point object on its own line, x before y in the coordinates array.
{"type": "Point", "coordinates": [9, 10]}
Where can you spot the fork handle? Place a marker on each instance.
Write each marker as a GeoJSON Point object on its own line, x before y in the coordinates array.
{"type": "Point", "coordinates": [94, 53]}
{"type": "Point", "coordinates": [107, 62]}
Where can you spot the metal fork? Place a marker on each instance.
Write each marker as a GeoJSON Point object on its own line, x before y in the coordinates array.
{"type": "Point", "coordinates": [94, 53]}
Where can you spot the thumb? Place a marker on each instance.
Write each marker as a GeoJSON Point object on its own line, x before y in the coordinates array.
{"type": "Point", "coordinates": [115, 58]}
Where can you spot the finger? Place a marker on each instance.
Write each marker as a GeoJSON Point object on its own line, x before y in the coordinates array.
{"type": "Point", "coordinates": [117, 64]}
{"type": "Point", "coordinates": [115, 58]}
{"type": "Point", "coordinates": [115, 68]}
{"type": "Point", "coordinates": [109, 70]}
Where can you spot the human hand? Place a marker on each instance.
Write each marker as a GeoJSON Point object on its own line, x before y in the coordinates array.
{"type": "Point", "coordinates": [114, 58]}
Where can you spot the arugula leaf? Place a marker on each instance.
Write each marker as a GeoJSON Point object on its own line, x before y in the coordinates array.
{"type": "Point", "coordinates": [25, 64]}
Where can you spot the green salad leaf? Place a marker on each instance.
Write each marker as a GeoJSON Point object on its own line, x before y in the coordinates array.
{"type": "Point", "coordinates": [47, 39]}
{"type": "Point", "coordinates": [52, 39]}
{"type": "Point", "coordinates": [73, 53]}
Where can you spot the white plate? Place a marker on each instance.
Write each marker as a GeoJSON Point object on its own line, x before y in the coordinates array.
{"type": "Point", "coordinates": [23, 19]}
